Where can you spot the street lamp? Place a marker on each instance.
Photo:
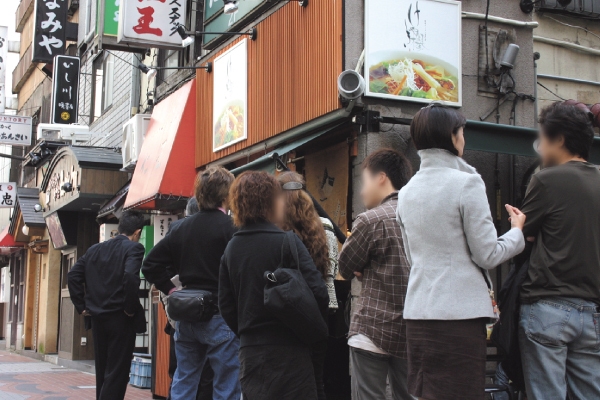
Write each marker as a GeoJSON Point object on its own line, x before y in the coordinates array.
{"type": "Point", "coordinates": [230, 6]}
{"type": "Point", "coordinates": [152, 71]}
{"type": "Point", "coordinates": [188, 37]}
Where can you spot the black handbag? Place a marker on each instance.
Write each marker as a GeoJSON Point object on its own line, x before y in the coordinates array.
{"type": "Point", "coordinates": [289, 299]}
{"type": "Point", "coordinates": [191, 305]}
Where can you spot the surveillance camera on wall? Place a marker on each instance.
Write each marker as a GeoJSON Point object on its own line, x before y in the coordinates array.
{"type": "Point", "coordinates": [351, 85]}
{"type": "Point", "coordinates": [510, 56]}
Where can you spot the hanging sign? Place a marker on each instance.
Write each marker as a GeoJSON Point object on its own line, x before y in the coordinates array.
{"type": "Point", "coordinates": [15, 130]}
{"type": "Point", "coordinates": [162, 224]}
{"type": "Point", "coordinates": [111, 17]}
{"type": "Point", "coordinates": [3, 61]}
{"type": "Point", "coordinates": [215, 20]}
{"type": "Point", "coordinates": [413, 50]}
{"type": "Point", "coordinates": [8, 194]}
{"type": "Point", "coordinates": [230, 96]}
{"type": "Point", "coordinates": [49, 35]}
{"type": "Point", "coordinates": [65, 88]}
{"type": "Point", "coordinates": [151, 22]}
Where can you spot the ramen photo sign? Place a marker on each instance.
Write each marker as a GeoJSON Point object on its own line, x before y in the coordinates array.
{"type": "Point", "coordinates": [230, 96]}
{"type": "Point", "coordinates": [413, 50]}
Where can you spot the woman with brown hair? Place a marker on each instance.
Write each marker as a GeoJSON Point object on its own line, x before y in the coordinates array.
{"type": "Point", "coordinates": [302, 218]}
{"type": "Point", "coordinates": [275, 363]}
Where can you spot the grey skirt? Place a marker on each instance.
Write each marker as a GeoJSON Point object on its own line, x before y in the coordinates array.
{"type": "Point", "coordinates": [446, 359]}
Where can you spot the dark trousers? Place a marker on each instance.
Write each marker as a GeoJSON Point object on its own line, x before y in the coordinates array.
{"type": "Point", "coordinates": [114, 341]}
{"type": "Point", "coordinates": [319, 353]}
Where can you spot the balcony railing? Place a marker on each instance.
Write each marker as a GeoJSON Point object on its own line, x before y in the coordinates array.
{"type": "Point", "coordinates": [24, 68]}
{"type": "Point", "coordinates": [23, 12]}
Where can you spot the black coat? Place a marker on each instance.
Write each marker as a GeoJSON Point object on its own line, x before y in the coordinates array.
{"type": "Point", "coordinates": [254, 250]}
{"type": "Point", "coordinates": [506, 332]}
{"type": "Point", "coordinates": [193, 249]}
{"type": "Point", "coordinates": [107, 278]}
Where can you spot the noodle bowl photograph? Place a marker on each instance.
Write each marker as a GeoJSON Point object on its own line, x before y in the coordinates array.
{"type": "Point", "coordinates": [406, 74]}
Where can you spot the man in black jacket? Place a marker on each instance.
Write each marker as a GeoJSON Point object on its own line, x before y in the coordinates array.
{"type": "Point", "coordinates": [193, 249]}
{"type": "Point", "coordinates": [104, 284]}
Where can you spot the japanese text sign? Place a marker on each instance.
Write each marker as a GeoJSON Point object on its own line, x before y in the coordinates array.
{"type": "Point", "coordinates": [8, 194]}
{"type": "Point", "coordinates": [162, 224]}
{"type": "Point", "coordinates": [111, 17]}
{"type": "Point", "coordinates": [49, 36]}
{"type": "Point", "coordinates": [65, 88]}
{"type": "Point", "coordinates": [151, 22]}
{"type": "Point", "coordinates": [3, 61]}
{"type": "Point", "coordinates": [15, 130]}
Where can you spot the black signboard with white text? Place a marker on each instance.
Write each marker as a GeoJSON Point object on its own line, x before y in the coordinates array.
{"type": "Point", "coordinates": [49, 36]}
{"type": "Point", "coordinates": [65, 88]}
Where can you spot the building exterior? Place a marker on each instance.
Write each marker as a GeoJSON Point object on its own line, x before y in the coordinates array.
{"type": "Point", "coordinates": [265, 97]}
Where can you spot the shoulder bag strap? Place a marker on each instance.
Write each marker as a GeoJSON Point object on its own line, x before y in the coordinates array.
{"type": "Point", "coordinates": [293, 250]}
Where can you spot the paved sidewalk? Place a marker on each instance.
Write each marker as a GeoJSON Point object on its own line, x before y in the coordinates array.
{"type": "Point", "coordinates": [23, 378]}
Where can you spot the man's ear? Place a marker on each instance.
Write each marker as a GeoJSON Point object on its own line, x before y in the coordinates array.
{"type": "Point", "coordinates": [137, 233]}
{"type": "Point", "coordinates": [381, 178]}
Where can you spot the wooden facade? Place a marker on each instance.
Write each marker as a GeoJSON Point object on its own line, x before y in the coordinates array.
{"type": "Point", "coordinates": [292, 73]}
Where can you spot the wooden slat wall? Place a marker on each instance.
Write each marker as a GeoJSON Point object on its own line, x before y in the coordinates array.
{"type": "Point", "coordinates": [163, 343]}
{"type": "Point", "coordinates": [292, 73]}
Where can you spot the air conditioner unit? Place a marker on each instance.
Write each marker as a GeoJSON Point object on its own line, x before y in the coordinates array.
{"type": "Point", "coordinates": [76, 134]}
{"type": "Point", "coordinates": [133, 138]}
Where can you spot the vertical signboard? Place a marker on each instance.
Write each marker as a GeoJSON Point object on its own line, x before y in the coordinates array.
{"type": "Point", "coordinates": [3, 62]}
{"type": "Point", "coordinates": [111, 17]}
{"type": "Point", "coordinates": [151, 22]}
{"type": "Point", "coordinates": [162, 224]}
{"type": "Point", "coordinates": [8, 194]}
{"type": "Point", "coordinates": [215, 20]}
{"type": "Point", "coordinates": [413, 50]}
{"type": "Point", "coordinates": [15, 130]}
{"type": "Point", "coordinates": [49, 35]}
{"type": "Point", "coordinates": [65, 89]}
{"type": "Point", "coordinates": [230, 96]}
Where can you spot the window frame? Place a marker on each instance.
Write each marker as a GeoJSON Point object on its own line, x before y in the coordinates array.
{"type": "Point", "coordinates": [99, 103]}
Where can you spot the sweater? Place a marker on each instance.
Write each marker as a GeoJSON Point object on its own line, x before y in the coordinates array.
{"type": "Point", "coordinates": [193, 249]}
{"type": "Point", "coordinates": [254, 250]}
{"type": "Point", "coordinates": [449, 237]}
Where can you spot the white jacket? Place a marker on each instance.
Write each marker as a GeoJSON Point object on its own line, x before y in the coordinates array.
{"type": "Point", "coordinates": [449, 236]}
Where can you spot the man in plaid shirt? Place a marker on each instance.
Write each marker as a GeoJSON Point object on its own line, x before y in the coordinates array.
{"type": "Point", "coordinates": [375, 254]}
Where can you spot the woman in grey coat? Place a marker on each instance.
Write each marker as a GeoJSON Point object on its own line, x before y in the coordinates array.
{"type": "Point", "coordinates": [451, 242]}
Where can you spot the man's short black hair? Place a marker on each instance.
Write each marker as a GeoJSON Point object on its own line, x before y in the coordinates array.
{"type": "Point", "coordinates": [392, 163]}
{"type": "Point", "coordinates": [130, 222]}
{"type": "Point", "coordinates": [570, 122]}
{"type": "Point", "coordinates": [434, 126]}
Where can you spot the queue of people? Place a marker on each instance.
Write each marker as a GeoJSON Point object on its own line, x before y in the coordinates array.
{"type": "Point", "coordinates": [422, 251]}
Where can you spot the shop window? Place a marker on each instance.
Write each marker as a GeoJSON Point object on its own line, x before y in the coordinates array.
{"type": "Point", "coordinates": [103, 84]}
{"type": "Point", "coordinates": [68, 260]}
{"type": "Point", "coordinates": [142, 340]}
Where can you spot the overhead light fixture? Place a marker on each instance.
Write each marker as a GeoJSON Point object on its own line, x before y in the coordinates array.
{"type": "Point", "coordinates": [37, 208]}
{"type": "Point", "coordinates": [151, 72]}
{"type": "Point", "coordinates": [527, 6]}
{"type": "Point", "coordinates": [231, 7]}
{"type": "Point", "coordinates": [351, 85]}
{"type": "Point", "coordinates": [67, 187]}
{"type": "Point", "coordinates": [510, 56]}
{"type": "Point", "coordinates": [25, 230]}
{"type": "Point", "coordinates": [188, 37]}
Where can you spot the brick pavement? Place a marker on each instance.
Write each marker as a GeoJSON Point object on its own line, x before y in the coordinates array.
{"type": "Point", "coordinates": [22, 378]}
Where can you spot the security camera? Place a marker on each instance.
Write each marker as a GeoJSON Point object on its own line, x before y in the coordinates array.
{"type": "Point", "coordinates": [351, 85]}
{"type": "Point", "coordinates": [510, 56]}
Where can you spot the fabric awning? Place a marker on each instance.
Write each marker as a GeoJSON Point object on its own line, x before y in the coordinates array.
{"type": "Point", "coordinates": [165, 171]}
{"type": "Point", "coordinates": [8, 244]}
{"type": "Point", "coordinates": [266, 162]}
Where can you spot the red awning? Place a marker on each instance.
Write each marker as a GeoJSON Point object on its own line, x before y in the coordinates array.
{"type": "Point", "coordinates": [165, 170]}
{"type": "Point", "coordinates": [8, 244]}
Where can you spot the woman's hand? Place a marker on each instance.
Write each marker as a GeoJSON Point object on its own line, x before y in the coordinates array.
{"type": "Point", "coordinates": [516, 217]}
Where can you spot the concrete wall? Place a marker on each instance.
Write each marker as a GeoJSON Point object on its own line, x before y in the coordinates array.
{"type": "Point", "coordinates": [49, 294]}
{"type": "Point", "coordinates": [474, 103]}
{"type": "Point", "coordinates": [108, 129]}
{"type": "Point", "coordinates": [565, 62]}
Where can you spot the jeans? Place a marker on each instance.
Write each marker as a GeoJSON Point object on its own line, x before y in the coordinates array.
{"type": "Point", "coordinates": [370, 372]}
{"type": "Point", "coordinates": [194, 343]}
{"type": "Point", "coordinates": [501, 379]}
{"type": "Point", "coordinates": [560, 348]}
